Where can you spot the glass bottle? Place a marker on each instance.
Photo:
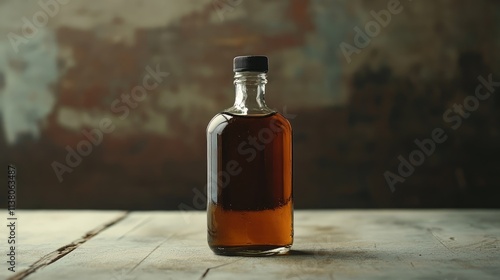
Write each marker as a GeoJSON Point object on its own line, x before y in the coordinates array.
{"type": "Point", "coordinates": [249, 160]}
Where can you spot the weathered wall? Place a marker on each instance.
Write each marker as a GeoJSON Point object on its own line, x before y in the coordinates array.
{"type": "Point", "coordinates": [66, 79]}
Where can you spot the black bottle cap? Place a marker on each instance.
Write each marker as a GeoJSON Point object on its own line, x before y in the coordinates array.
{"type": "Point", "coordinates": [250, 63]}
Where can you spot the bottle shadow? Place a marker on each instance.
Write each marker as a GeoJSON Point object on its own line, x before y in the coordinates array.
{"type": "Point", "coordinates": [331, 254]}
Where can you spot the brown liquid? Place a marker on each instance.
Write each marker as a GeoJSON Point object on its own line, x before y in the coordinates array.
{"type": "Point", "coordinates": [250, 208]}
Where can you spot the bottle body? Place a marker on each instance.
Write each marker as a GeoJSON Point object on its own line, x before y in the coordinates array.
{"type": "Point", "coordinates": [250, 199]}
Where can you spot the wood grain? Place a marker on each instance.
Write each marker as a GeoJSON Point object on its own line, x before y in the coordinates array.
{"type": "Point", "coordinates": [420, 244]}
{"type": "Point", "coordinates": [45, 236]}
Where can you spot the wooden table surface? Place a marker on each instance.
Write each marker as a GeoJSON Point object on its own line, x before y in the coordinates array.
{"type": "Point", "coordinates": [333, 244]}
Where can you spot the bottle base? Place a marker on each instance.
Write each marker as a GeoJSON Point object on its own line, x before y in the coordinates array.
{"type": "Point", "coordinates": [251, 251]}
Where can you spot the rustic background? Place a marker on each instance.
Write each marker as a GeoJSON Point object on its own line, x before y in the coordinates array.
{"type": "Point", "coordinates": [352, 116]}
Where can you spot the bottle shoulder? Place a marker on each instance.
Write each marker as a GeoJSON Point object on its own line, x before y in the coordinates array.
{"type": "Point", "coordinates": [244, 111]}
{"type": "Point", "coordinates": [223, 121]}
{"type": "Point", "coordinates": [280, 118]}
{"type": "Point", "coordinates": [219, 121]}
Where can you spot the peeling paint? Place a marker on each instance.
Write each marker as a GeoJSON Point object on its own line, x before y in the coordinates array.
{"type": "Point", "coordinates": [27, 95]}
{"type": "Point", "coordinates": [352, 119]}
{"type": "Point", "coordinates": [118, 20]}
{"type": "Point", "coordinates": [189, 98]}
{"type": "Point", "coordinates": [147, 121]}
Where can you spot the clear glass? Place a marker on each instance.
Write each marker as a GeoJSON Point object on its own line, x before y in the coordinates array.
{"type": "Point", "coordinates": [250, 94]}
{"type": "Point", "coordinates": [249, 160]}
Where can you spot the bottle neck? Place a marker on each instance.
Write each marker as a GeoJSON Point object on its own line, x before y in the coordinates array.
{"type": "Point", "coordinates": [250, 91]}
